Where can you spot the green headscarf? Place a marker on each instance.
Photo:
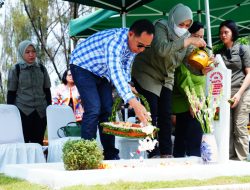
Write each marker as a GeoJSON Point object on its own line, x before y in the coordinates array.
{"type": "Point", "coordinates": [21, 49]}
{"type": "Point", "coordinates": [178, 14]}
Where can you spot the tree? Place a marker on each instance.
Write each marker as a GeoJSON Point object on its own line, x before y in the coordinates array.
{"type": "Point", "coordinates": [46, 24]}
{"type": "Point", "coordinates": [1, 3]}
{"type": "Point", "coordinates": [16, 27]}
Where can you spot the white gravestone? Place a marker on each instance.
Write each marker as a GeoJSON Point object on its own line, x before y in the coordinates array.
{"type": "Point", "coordinates": [220, 78]}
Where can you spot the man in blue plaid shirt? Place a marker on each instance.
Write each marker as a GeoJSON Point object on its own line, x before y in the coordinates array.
{"type": "Point", "coordinates": [102, 60]}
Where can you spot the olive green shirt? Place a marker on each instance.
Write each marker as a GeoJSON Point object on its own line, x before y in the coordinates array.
{"type": "Point", "coordinates": [154, 68]}
{"type": "Point", "coordinates": [236, 62]}
{"type": "Point", "coordinates": [29, 87]}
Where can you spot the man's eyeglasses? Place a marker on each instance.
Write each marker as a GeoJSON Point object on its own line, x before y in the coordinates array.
{"type": "Point", "coordinates": [143, 46]}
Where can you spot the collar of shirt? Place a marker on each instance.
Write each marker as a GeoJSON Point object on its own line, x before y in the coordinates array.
{"type": "Point", "coordinates": [26, 65]}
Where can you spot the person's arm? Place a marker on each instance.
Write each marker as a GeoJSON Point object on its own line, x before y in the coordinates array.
{"type": "Point", "coordinates": [195, 41]}
{"type": "Point", "coordinates": [168, 47]}
{"type": "Point", "coordinates": [11, 97]}
{"type": "Point", "coordinates": [56, 95]}
{"type": "Point", "coordinates": [140, 111]}
{"type": "Point", "coordinates": [12, 86]}
{"type": "Point", "coordinates": [162, 45]}
{"type": "Point", "coordinates": [246, 83]}
{"type": "Point", "coordinates": [46, 87]}
{"type": "Point", "coordinates": [113, 55]}
{"type": "Point", "coordinates": [244, 86]}
{"type": "Point", "coordinates": [47, 95]}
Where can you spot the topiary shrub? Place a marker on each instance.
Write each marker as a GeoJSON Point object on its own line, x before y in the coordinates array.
{"type": "Point", "coordinates": [242, 40]}
{"type": "Point", "coordinates": [81, 155]}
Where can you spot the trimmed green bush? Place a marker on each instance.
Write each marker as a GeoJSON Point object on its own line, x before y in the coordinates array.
{"type": "Point", "coordinates": [81, 155]}
{"type": "Point", "coordinates": [242, 40]}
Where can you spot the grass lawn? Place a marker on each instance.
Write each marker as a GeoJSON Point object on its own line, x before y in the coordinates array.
{"type": "Point", "coordinates": [7, 183]}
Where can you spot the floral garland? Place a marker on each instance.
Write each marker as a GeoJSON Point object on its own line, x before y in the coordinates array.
{"type": "Point", "coordinates": [125, 132]}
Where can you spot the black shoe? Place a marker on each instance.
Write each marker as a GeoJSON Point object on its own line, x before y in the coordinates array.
{"type": "Point", "coordinates": [114, 157]}
{"type": "Point", "coordinates": [111, 155]}
{"type": "Point", "coordinates": [155, 153]}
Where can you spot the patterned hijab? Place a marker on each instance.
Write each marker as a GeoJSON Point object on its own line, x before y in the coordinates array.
{"type": "Point", "coordinates": [21, 50]}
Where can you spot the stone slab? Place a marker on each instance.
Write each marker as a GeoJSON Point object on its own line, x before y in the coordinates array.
{"type": "Point", "coordinates": [55, 176]}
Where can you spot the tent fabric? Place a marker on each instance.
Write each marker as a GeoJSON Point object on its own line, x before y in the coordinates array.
{"type": "Point", "coordinates": [79, 25]}
{"type": "Point", "coordinates": [115, 5]}
{"type": "Point", "coordinates": [236, 10]}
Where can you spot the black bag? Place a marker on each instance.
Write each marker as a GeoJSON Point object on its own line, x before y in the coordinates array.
{"type": "Point", "coordinates": [72, 129]}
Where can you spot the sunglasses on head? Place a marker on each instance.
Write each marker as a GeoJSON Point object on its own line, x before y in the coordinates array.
{"type": "Point", "coordinates": [143, 46]}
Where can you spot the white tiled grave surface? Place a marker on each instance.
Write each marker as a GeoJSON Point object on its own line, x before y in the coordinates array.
{"type": "Point", "coordinates": [55, 176]}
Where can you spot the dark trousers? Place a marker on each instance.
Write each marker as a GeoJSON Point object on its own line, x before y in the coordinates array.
{"type": "Point", "coordinates": [96, 96]}
{"type": "Point", "coordinates": [160, 108]}
{"type": "Point", "coordinates": [188, 134]}
{"type": "Point", "coordinates": [33, 127]}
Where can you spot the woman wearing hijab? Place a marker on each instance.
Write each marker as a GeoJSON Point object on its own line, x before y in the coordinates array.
{"type": "Point", "coordinates": [29, 89]}
{"type": "Point", "coordinates": [153, 70]}
{"type": "Point", "coordinates": [237, 58]}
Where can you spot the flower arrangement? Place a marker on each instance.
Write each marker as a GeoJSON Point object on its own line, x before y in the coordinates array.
{"type": "Point", "coordinates": [128, 129]}
{"type": "Point", "coordinates": [204, 107]}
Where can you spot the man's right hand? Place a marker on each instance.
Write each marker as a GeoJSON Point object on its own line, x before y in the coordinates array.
{"type": "Point", "coordinates": [140, 111]}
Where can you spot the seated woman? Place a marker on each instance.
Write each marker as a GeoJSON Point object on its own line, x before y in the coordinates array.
{"type": "Point", "coordinates": [67, 94]}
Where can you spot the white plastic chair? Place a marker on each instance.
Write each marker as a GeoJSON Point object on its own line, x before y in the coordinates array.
{"type": "Point", "coordinates": [10, 125]}
{"type": "Point", "coordinates": [57, 116]}
{"type": "Point", "coordinates": [13, 150]}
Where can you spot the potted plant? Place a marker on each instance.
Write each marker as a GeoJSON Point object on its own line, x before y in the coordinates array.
{"type": "Point", "coordinates": [82, 155]}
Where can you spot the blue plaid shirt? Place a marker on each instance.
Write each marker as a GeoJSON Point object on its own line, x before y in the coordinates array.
{"type": "Point", "coordinates": [107, 54]}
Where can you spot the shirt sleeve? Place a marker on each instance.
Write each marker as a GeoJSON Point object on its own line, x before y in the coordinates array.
{"type": "Point", "coordinates": [163, 46]}
{"type": "Point", "coordinates": [246, 56]}
{"type": "Point", "coordinates": [12, 83]}
{"type": "Point", "coordinates": [47, 95]}
{"type": "Point", "coordinates": [128, 68]}
{"type": "Point", "coordinates": [47, 83]}
{"type": "Point", "coordinates": [11, 97]}
{"type": "Point", "coordinates": [56, 96]}
{"type": "Point", "coordinates": [113, 53]}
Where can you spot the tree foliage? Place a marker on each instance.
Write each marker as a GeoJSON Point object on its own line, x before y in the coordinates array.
{"type": "Point", "coordinates": [44, 22]}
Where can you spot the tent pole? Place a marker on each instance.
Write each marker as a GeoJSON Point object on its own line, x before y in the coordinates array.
{"type": "Point", "coordinates": [209, 38]}
{"type": "Point", "coordinates": [123, 20]}
{"type": "Point", "coordinates": [123, 15]}
{"type": "Point", "coordinates": [199, 8]}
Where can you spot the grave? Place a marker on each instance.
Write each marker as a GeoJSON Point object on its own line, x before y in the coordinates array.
{"type": "Point", "coordinates": [220, 79]}
{"type": "Point", "coordinates": [147, 170]}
